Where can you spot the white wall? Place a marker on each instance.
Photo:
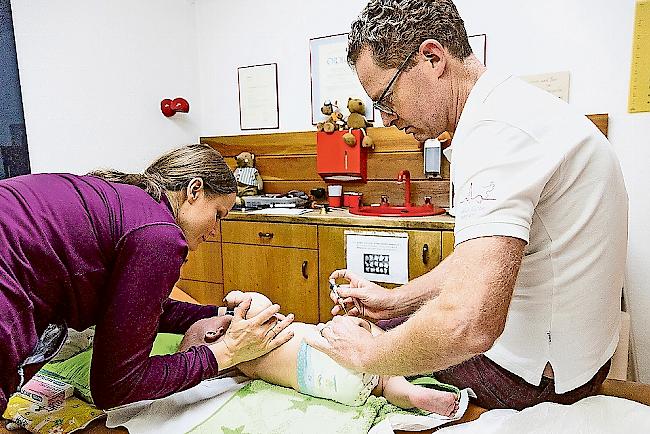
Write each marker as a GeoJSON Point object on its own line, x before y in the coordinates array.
{"type": "Point", "coordinates": [592, 40]}
{"type": "Point", "coordinates": [93, 74]}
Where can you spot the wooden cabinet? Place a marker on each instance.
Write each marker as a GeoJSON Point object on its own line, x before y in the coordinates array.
{"type": "Point", "coordinates": [447, 244]}
{"type": "Point", "coordinates": [202, 275]}
{"type": "Point", "coordinates": [291, 262]}
{"type": "Point", "coordinates": [424, 250]}
{"type": "Point", "coordinates": [278, 260]}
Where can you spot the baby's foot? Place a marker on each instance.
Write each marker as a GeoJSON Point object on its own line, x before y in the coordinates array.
{"type": "Point", "coordinates": [435, 401]}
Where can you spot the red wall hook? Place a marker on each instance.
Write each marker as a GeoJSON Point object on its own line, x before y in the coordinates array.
{"type": "Point", "coordinates": [171, 107]}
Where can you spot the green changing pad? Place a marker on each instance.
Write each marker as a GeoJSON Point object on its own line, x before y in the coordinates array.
{"type": "Point", "coordinates": [76, 370]}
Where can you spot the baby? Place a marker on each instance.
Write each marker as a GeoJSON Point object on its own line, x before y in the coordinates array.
{"type": "Point", "coordinates": [307, 370]}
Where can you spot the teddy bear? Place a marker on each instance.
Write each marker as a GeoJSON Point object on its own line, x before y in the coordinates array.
{"type": "Point", "coordinates": [357, 120]}
{"type": "Point", "coordinates": [249, 180]}
{"type": "Point", "coordinates": [334, 121]}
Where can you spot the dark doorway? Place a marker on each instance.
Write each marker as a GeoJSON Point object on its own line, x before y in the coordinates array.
{"type": "Point", "coordinates": [14, 156]}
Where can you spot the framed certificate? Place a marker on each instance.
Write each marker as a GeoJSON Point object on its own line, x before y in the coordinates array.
{"type": "Point", "coordinates": [332, 79]}
{"type": "Point", "coordinates": [258, 97]}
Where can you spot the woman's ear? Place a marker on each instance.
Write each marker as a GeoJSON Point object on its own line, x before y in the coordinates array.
{"type": "Point", "coordinates": [194, 189]}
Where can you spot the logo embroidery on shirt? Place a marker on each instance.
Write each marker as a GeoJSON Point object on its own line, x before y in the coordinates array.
{"type": "Point", "coordinates": [484, 194]}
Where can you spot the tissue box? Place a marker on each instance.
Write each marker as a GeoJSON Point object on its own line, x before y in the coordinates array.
{"type": "Point", "coordinates": [46, 391]}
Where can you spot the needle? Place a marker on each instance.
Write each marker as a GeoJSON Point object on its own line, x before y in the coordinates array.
{"type": "Point", "coordinates": [339, 299]}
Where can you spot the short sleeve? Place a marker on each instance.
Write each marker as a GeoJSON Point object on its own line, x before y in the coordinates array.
{"type": "Point", "coordinates": [499, 173]}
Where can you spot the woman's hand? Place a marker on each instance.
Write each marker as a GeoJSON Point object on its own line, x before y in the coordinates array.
{"type": "Point", "coordinates": [248, 339]}
{"type": "Point", "coordinates": [362, 297]}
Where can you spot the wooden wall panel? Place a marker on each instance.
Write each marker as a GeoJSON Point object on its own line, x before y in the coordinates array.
{"type": "Point", "coordinates": [381, 167]}
{"type": "Point", "coordinates": [372, 191]}
{"type": "Point", "coordinates": [287, 161]}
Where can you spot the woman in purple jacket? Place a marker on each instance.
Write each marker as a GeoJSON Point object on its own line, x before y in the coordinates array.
{"type": "Point", "coordinates": [106, 250]}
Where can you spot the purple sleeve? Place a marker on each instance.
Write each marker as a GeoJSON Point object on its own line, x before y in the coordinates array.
{"type": "Point", "coordinates": [147, 266]}
{"type": "Point", "coordinates": [178, 316]}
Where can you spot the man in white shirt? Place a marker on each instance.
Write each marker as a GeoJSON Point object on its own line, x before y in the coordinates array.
{"type": "Point", "coordinates": [527, 307]}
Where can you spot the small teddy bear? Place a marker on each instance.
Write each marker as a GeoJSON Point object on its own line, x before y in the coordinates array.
{"type": "Point", "coordinates": [357, 120]}
{"type": "Point", "coordinates": [334, 122]}
{"type": "Point", "coordinates": [249, 180]}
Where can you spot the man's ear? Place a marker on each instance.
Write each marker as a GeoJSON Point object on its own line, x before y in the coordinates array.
{"type": "Point", "coordinates": [434, 52]}
{"type": "Point", "coordinates": [194, 189]}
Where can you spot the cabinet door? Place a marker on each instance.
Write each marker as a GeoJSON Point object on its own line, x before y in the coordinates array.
{"type": "Point", "coordinates": [424, 254]}
{"type": "Point", "coordinates": [288, 276]}
{"type": "Point", "coordinates": [204, 264]}
{"type": "Point", "coordinates": [447, 243]}
{"type": "Point", "coordinates": [331, 256]}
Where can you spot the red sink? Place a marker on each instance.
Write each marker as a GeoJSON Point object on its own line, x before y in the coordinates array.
{"type": "Point", "coordinates": [398, 211]}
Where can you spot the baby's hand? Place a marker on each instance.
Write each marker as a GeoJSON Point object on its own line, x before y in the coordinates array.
{"type": "Point", "coordinates": [259, 302]}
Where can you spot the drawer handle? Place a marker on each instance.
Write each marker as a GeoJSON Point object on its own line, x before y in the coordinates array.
{"type": "Point", "coordinates": [268, 235]}
{"type": "Point", "coordinates": [425, 254]}
{"type": "Point", "coordinates": [304, 269]}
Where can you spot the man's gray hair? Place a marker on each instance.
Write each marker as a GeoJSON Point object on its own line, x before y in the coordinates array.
{"type": "Point", "coordinates": [393, 29]}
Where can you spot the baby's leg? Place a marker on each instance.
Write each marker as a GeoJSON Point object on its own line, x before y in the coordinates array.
{"type": "Point", "coordinates": [398, 391]}
{"type": "Point", "coordinates": [280, 365]}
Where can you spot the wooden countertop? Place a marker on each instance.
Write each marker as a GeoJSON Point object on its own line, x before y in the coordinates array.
{"type": "Point", "coordinates": [341, 217]}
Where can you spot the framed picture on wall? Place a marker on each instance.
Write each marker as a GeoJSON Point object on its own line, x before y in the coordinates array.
{"type": "Point", "coordinates": [259, 108]}
{"type": "Point", "coordinates": [332, 79]}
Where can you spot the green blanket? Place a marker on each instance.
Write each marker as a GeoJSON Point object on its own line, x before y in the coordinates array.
{"type": "Point", "coordinates": [260, 407]}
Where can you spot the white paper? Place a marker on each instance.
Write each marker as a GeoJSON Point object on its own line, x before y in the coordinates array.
{"type": "Point", "coordinates": [332, 77]}
{"type": "Point", "coordinates": [378, 256]}
{"type": "Point", "coordinates": [258, 96]}
{"type": "Point", "coordinates": [556, 83]}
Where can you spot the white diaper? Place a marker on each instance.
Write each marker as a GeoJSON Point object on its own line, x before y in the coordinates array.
{"type": "Point", "coordinates": [322, 377]}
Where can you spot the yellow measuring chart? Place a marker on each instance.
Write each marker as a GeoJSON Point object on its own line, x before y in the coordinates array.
{"type": "Point", "coordinates": [640, 80]}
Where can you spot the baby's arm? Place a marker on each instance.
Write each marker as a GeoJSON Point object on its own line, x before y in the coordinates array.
{"type": "Point", "coordinates": [279, 366]}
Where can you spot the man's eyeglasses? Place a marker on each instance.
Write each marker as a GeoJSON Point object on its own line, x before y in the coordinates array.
{"type": "Point", "coordinates": [379, 104]}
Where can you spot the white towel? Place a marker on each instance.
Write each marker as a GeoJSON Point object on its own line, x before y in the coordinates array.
{"type": "Point", "coordinates": [178, 413]}
{"type": "Point", "coordinates": [593, 415]}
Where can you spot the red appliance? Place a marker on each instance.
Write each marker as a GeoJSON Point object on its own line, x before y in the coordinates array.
{"type": "Point", "coordinates": [337, 161]}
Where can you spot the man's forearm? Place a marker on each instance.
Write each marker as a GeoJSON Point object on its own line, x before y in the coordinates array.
{"type": "Point", "coordinates": [464, 319]}
{"type": "Point", "coordinates": [431, 340]}
{"type": "Point", "coordinates": [416, 293]}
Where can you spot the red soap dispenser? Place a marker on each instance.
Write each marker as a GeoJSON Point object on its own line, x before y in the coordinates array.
{"type": "Point", "coordinates": [337, 161]}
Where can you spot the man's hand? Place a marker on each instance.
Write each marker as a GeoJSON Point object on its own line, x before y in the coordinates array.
{"type": "Point", "coordinates": [195, 335]}
{"type": "Point", "coordinates": [363, 298]}
{"type": "Point", "coordinates": [345, 339]}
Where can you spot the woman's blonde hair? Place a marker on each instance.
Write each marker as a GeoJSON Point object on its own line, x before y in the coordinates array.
{"type": "Point", "coordinates": [174, 170]}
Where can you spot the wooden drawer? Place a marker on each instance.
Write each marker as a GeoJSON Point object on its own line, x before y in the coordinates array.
{"type": "Point", "coordinates": [204, 264]}
{"type": "Point", "coordinates": [203, 292]}
{"type": "Point", "coordinates": [270, 234]}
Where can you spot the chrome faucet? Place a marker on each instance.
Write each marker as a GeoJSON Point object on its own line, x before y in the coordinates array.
{"type": "Point", "coordinates": [405, 176]}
